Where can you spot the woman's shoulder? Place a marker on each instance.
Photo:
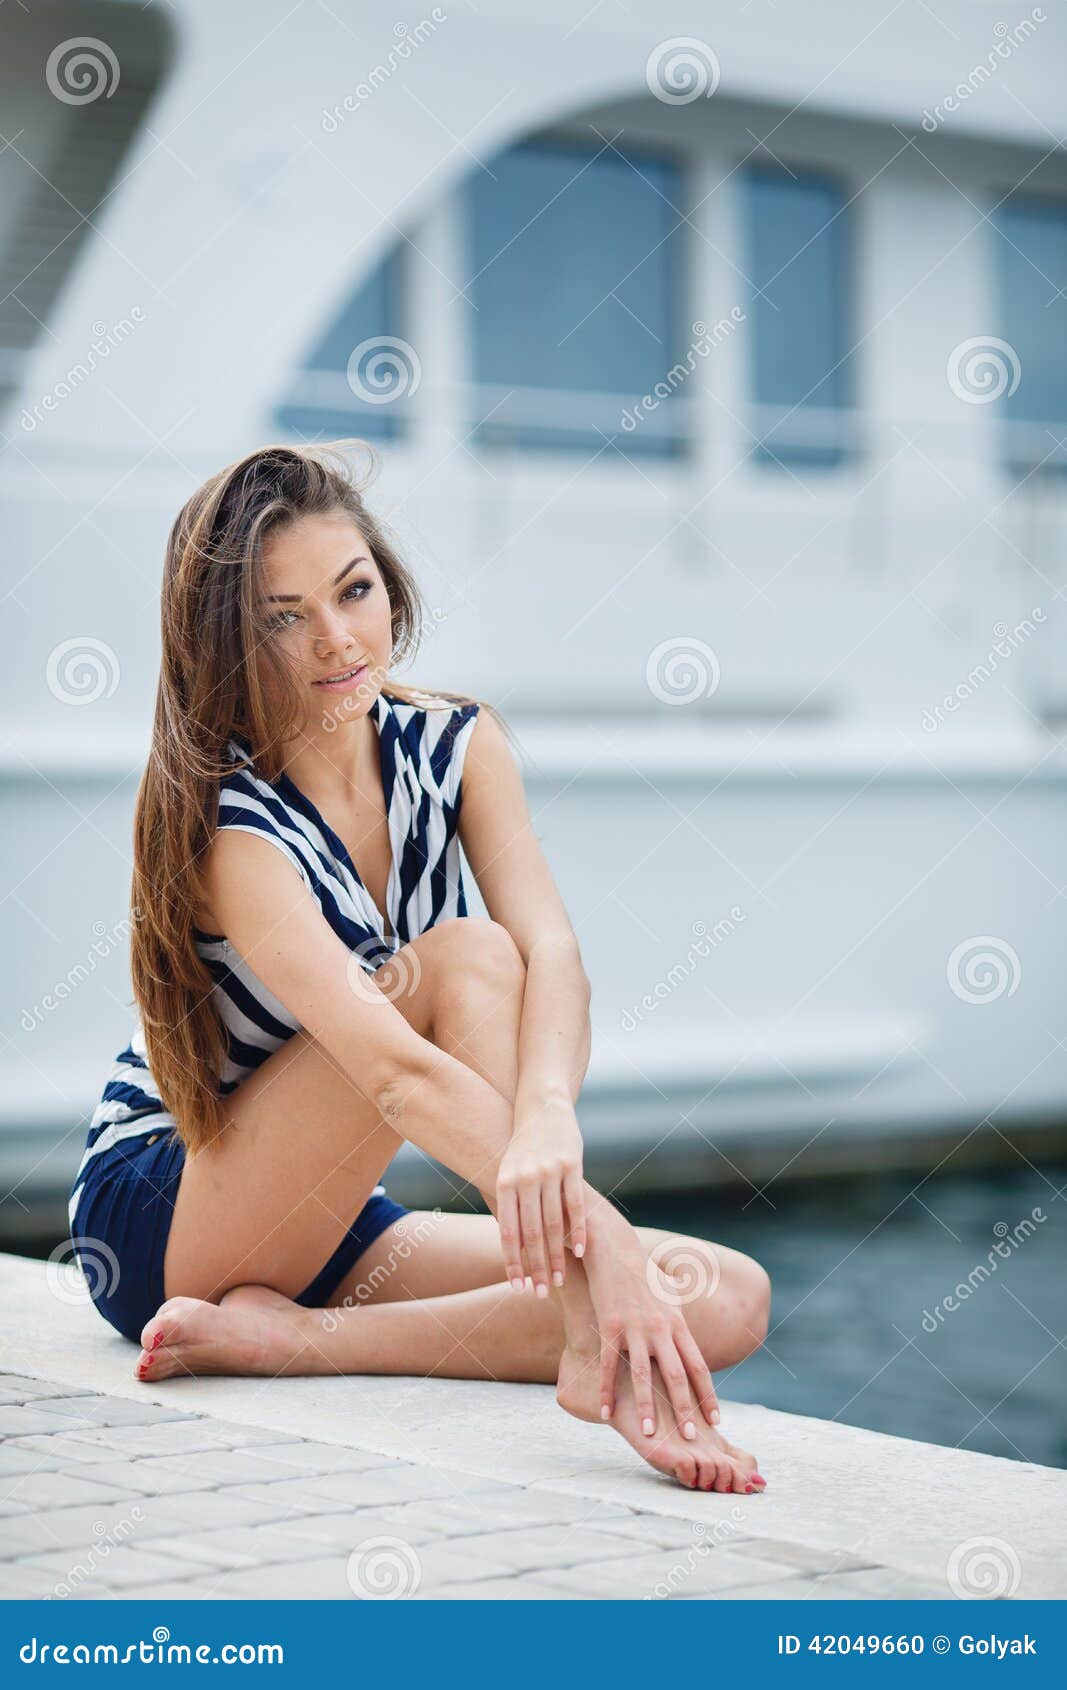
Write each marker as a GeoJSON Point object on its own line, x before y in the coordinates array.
{"type": "Point", "coordinates": [435, 729]}
{"type": "Point", "coordinates": [247, 803]}
{"type": "Point", "coordinates": [418, 701]}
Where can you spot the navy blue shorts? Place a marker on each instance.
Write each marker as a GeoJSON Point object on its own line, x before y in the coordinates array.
{"type": "Point", "coordinates": [123, 1218]}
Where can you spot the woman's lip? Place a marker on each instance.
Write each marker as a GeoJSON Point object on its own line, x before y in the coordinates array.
{"type": "Point", "coordinates": [340, 686]}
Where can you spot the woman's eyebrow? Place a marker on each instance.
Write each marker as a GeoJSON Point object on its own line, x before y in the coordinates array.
{"type": "Point", "coordinates": [294, 598]}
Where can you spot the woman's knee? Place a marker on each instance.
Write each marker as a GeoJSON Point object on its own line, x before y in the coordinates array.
{"type": "Point", "coordinates": [478, 960]}
{"type": "Point", "coordinates": [754, 1296]}
{"type": "Point", "coordinates": [725, 1294]}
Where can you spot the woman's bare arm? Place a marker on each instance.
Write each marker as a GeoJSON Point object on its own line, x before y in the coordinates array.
{"type": "Point", "coordinates": [516, 883]}
{"type": "Point", "coordinates": [429, 1097]}
{"type": "Point", "coordinates": [275, 924]}
{"type": "Point", "coordinates": [540, 1193]}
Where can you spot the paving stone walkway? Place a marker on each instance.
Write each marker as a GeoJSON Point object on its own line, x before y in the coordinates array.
{"type": "Point", "coordinates": [100, 1496]}
{"type": "Point", "coordinates": [380, 1488]}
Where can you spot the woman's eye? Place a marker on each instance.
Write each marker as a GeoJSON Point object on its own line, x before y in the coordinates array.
{"type": "Point", "coordinates": [357, 590]}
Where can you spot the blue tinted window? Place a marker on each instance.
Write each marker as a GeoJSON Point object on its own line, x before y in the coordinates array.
{"type": "Point", "coordinates": [322, 401]}
{"type": "Point", "coordinates": [1031, 251]}
{"type": "Point", "coordinates": [575, 286]}
{"type": "Point", "coordinates": [800, 329]}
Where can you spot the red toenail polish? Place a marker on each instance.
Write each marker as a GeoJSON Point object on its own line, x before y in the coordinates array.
{"type": "Point", "coordinates": [157, 1340]}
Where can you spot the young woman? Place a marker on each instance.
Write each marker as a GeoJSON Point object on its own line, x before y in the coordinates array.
{"type": "Point", "coordinates": [311, 993]}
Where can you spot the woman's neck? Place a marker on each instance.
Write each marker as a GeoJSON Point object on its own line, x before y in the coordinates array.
{"type": "Point", "coordinates": [330, 766]}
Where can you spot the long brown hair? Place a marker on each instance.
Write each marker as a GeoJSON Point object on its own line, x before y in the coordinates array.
{"type": "Point", "coordinates": [219, 674]}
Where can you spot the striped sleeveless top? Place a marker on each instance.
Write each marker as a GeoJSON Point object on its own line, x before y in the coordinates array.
{"type": "Point", "coordinates": [421, 749]}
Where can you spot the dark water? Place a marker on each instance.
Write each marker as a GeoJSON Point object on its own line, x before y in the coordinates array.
{"type": "Point", "coordinates": [855, 1268]}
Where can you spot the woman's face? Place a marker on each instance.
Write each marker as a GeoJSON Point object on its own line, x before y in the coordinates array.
{"type": "Point", "coordinates": [330, 613]}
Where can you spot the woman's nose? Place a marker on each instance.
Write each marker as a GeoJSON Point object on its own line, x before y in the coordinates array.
{"type": "Point", "coordinates": [331, 633]}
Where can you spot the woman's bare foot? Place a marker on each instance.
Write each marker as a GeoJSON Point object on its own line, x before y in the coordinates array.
{"type": "Point", "coordinates": [706, 1462]}
{"type": "Point", "coordinates": [251, 1330]}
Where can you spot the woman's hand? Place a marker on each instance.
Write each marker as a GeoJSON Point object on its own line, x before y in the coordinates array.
{"type": "Point", "coordinates": [638, 1314]}
{"type": "Point", "coordinates": [540, 1195]}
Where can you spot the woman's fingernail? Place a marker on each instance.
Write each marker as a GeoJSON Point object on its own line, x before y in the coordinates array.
{"type": "Point", "coordinates": [689, 1430]}
{"type": "Point", "coordinates": [605, 1411]}
{"type": "Point", "coordinates": [542, 1290]}
{"type": "Point", "coordinates": [579, 1249]}
{"type": "Point", "coordinates": [517, 1284]}
{"type": "Point", "coordinates": [648, 1426]}
{"type": "Point", "coordinates": [557, 1278]}
{"type": "Point", "coordinates": [715, 1417]}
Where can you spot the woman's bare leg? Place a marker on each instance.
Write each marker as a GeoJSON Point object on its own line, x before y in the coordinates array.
{"type": "Point", "coordinates": [486, 1333]}
{"type": "Point", "coordinates": [304, 1147]}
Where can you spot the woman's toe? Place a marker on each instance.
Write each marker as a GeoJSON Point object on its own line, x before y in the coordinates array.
{"type": "Point", "coordinates": [686, 1471]}
{"type": "Point", "coordinates": [166, 1318]}
{"type": "Point", "coordinates": [161, 1364]}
